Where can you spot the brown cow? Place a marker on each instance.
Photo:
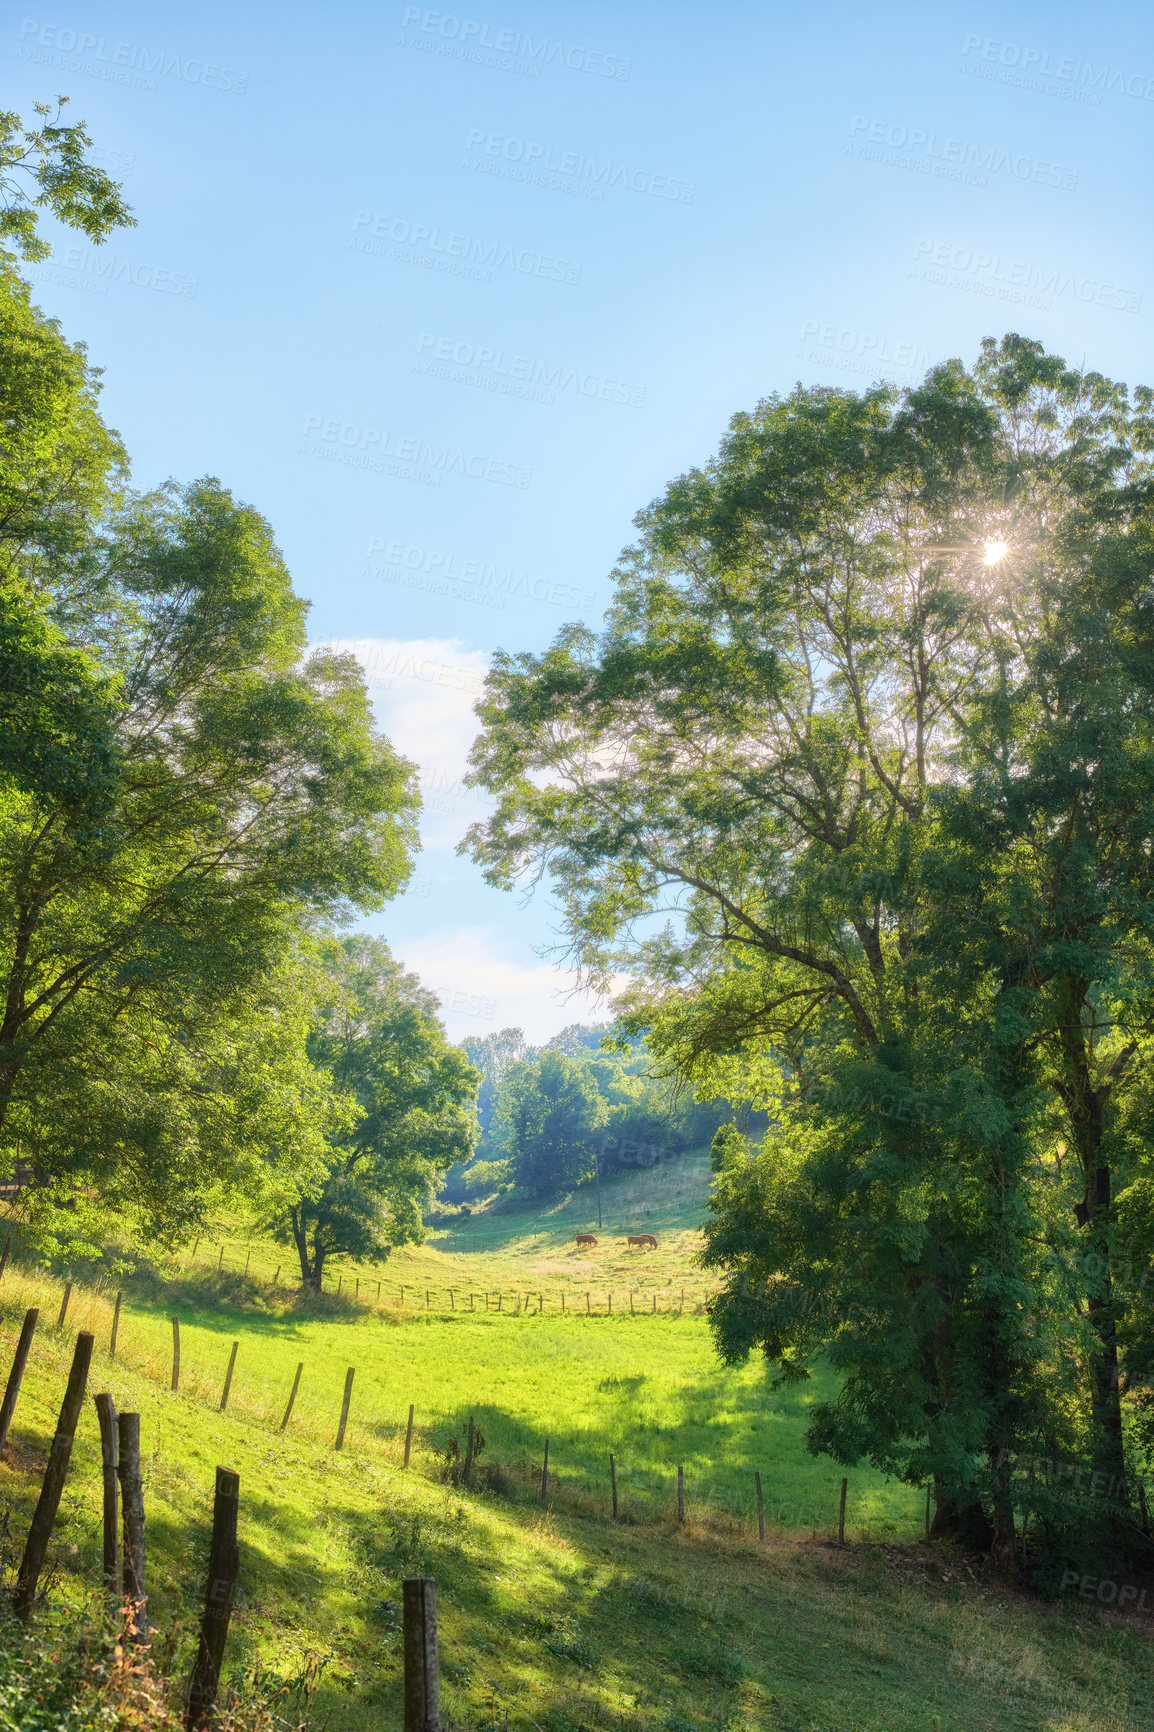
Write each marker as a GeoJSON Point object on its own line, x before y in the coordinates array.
{"type": "Point", "coordinates": [640, 1239]}
{"type": "Point", "coordinates": [586, 1239]}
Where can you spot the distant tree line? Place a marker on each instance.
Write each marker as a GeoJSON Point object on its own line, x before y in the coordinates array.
{"type": "Point", "coordinates": [548, 1116]}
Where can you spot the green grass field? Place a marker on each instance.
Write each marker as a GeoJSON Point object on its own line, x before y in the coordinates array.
{"type": "Point", "coordinates": [556, 1614]}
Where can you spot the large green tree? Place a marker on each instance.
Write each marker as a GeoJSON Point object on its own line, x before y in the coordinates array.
{"type": "Point", "coordinates": [186, 794]}
{"type": "Point", "coordinates": [827, 733]}
{"type": "Point", "coordinates": [403, 1110]}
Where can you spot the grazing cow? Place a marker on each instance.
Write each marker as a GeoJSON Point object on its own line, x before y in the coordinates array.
{"type": "Point", "coordinates": [586, 1239]}
{"type": "Point", "coordinates": [640, 1239]}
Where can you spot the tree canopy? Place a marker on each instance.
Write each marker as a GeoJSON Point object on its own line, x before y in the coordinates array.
{"type": "Point", "coordinates": [188, 797]}
{"type": "Point", "coordinates": [401, 1111]}
{"type": "Point", "coordinates": [854, 788]}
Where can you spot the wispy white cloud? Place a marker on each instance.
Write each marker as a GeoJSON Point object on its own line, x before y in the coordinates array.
{"type": "Point", "coordinates": [483, 985]}
{"type": "Point", "coordinates": [485, 976]}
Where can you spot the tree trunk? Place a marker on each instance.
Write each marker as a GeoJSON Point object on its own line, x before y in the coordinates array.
{"type": "Point", "coordinates": [1086, 1108]}
{"type": "Point", "coordinates": [300, 1239]}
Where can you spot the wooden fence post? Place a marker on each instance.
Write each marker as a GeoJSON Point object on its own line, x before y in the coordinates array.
{"type": "Point", "coordinates": [247, 1261]}
{"type": "Point", "coordinates": [345, 1408]}
{"type": "Point", "coordinates": [587, 1313]}
{"type": "Point", "coordinates": [468, 1469]}
{"type": "Point", "coordinates": [613, 1483]}
{"type": "Point", "coordinates": [632, 1313]}
{"type": "Point", "coordinates": [545, 1475]}
{"type": "Point", "coordinates": [228, 1377]}
{"type": "Point", "coordinates": [452, 1300]}
{"type": "Point", "coordinates": [562, 1301]}
{"type": "Point", "coordinates": [52, 1486]}
{"type": "Point", "coordinates": [220, 1263]}
{"type": "Point", "coordinates": [409, 1435]}
{"type": "Point", "coordinates": [19, 1361]}
{"type": "Point", "coordinates": [610, 1310]}
{"type": "Point", "coordinates": [422, 1679]}
{"type": "Point", "coordinates": [927, 1512]}
{"type": "Point", "coordinates": [175, 1355]}
{"type": "Point", "coordinates": [276, 1277]}
{"type": "Point", "coordinates": [115, 1325]}
{"type": "Point", "coordinates": [132, 1506]}
{"type": "Point", "coordinates": [681, 1494]}
{"type": "Point", "coordinates": [64, 1304]}
{"type": "Point", "coordinates": [223, 1567]}
{"type": "Point", "coordinates": [357, 1294]}
{"type": "Point", "coordinates": [841, 1515]}
{"type": "Point", "coordinates": [109, 1462]}
{"type": "Point", "coordinates": [4, 1255]}
{"type": "Point", "coordinates": [760, 1512]}
{"type": "Point", "coordinates": [292, 1396]}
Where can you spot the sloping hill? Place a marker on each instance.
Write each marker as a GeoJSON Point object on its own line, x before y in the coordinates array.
{"type": "Point", "coordinates": [556, 1613]}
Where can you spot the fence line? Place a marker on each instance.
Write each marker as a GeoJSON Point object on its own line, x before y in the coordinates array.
{"type": "Point", "coordinates": [702, 1498]}
{"type": "Point", "coordinates": [530, 1302]}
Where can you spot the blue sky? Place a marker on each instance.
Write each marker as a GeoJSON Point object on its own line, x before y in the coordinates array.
{"type": "Point", "coordinates": [449, 296]}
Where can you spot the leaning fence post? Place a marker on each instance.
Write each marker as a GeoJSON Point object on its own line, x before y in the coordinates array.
{"type": "Point", "coordinates": [228, 1377]}
{"type": "Point", "coordinates": [545, 1475]}
{"type": "Point", "coordinates": [345, 1408]}
{"type": "Point", "coordinates": [223, 1567]}
{"type": "Point", "coordinates": [409, 1435]}
{"type": "Point", "coordinates": [64, 1304]}
{"type": "Point", "coordinates": [422, 1680]}
{"type": "Point", "coordinates": [53, 1483]}
{"type": "Point", "coordinates": [19, 1360]}
{"type": "Point", "coordinates": [841, 1515]}
{"type": "Point", "coordinates": [760, 1511]}
{"type": "Point", "coordinates": [681, 1494]}
{"type": "Point", "coordinates": [292, 1396]}
{"type": "Point", "coordinates": [109, 1462]}
{"type": "Point", "coordinates": [115, 1326]}
{"type": "Point", "coordinates": [613, 1483]}
{"type": "Point", "coordinates": [132, 1505]}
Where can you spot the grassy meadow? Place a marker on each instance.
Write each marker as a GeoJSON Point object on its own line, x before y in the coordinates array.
{"type": "Point", "coordinates": [555, 1614]}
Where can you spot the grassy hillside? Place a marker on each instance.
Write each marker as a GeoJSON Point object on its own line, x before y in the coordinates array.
{"type": "Point", "coordinates": [554, 1613]}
